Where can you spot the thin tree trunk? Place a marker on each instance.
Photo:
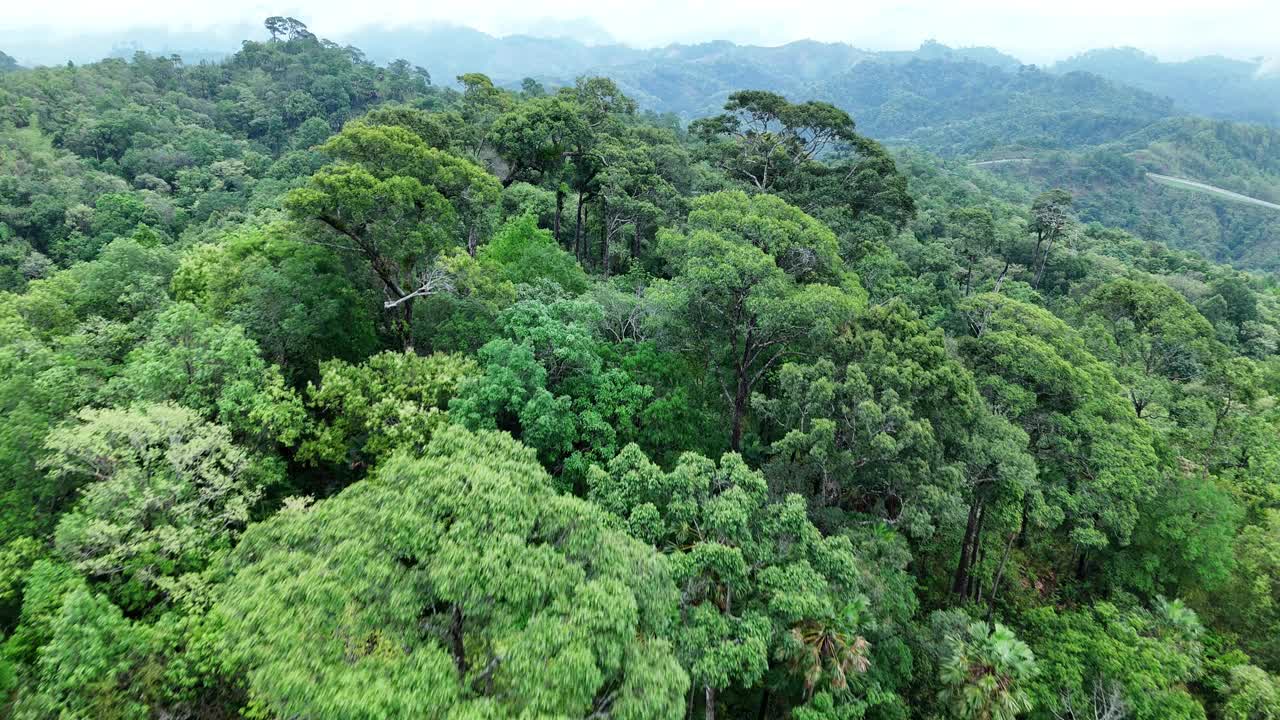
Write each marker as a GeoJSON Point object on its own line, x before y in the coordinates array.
{"type": "Point", "coordinates": [472, 242]}
{"type": "Point", "coordinates": [978, 553]}
{"type": "Point", "coordinates": [711, 702]}
{"type": "Point", "coordinates": [406, 326]}
{"type": "Point", "coordinates": [995, 584]}
{"type": "Point", "coordinates": [1000, 280]}
{"type": "Point", "coordinates": [961, 582]}
{"type": "Point", "coordinates": [577, 231]}
{"type": "Point", "coordinates": [455, 641]}
{"type": "Point", "coordinates": [764, 705]}
{"type": "Point", "coordinates": [1044, 261]}
{"type": "Point", "coordinates": [739, 412]}
{"type": "Point", "coordinates": [604, 238]}
{"type": "Point", "coordinates": [605, 264]}
{"type": "Point", "coordinates": [559, 211]}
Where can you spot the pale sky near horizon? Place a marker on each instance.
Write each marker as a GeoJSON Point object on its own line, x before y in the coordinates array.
{"type": "Point", "coordinates": [1033, 31]}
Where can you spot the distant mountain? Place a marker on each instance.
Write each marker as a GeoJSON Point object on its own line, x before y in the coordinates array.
{"type": "Point", "coordinates": [447, 51]}
{"type": "Point", "coordinates": [1215, 87]}
{"type": "Point", "coordinates": [52, 46]}
{"type": "Point", "coordinates": [1112, 185]}
{"type": "Point", "coordinates": [7, 64]}
{"type": "Point", "coordinates": [946, 100]}
{"type": "Point", "coordinates": [962, 108]}
{"type": "Point", "coordinates": [688, 80]}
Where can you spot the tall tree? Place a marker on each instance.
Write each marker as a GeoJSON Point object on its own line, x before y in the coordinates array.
{"type": "Point", "coordinates": [459, 583]}
{"type": "Point", "coordinates": [761, 137]}
{"type": "Point", "coordinates": [747, 290]}
{"type": "Point", "coordinates": [397, 203]}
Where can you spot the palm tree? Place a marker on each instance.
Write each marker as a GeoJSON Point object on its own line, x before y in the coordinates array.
{"type": "Point", "coordinates": [830, 647]}
{"type": "Point", "coordinates": [985, 674]}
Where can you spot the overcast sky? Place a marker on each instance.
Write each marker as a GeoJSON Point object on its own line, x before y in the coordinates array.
{"type": "Point", "coordinates": [1033, 30]}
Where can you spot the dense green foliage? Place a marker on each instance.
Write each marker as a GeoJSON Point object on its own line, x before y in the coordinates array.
{"type": "Point", "coordinates": [329, 393]}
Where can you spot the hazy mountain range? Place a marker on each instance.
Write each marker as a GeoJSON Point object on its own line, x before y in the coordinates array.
{"type": "Point", "coordinates": [691, 80]}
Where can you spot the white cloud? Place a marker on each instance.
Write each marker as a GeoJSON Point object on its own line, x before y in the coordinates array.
{"type": "Point", "coordinates": [1037, 32]}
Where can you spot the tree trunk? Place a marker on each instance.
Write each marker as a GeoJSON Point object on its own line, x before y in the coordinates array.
{"type": "Point", "coordinates": [604, 238]}
{"type": "Point", "coordinates": [577, 231]}
{"type": "Point", "coordinates": [1022, 529]}
{"type": "Point", "coordinates": [979, 554]}
{"type": "Point", "coordinates": [764, 705]}
{"type": "Point", "coordinates": [995, 584]}
{"type": "Point", "coordinates": [455, 641]}
{"type": "Point", "coordinates": [406, 325]}
{"type": "Point", "coordinates": [555, 229]}
{"type": "Point", "coordinates": [711, 702]}
{"type": "Point", "coordinates": [1044, 261]}
{"type": "Point", "coordinates": [960, 585]}
{"type": "Point", "coordinates": [472, 242]}
{"type": "Point", "coordinates": [739, 412]}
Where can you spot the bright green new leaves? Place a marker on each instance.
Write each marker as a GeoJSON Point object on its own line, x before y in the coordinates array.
{"type": "Point", "coordinates": [455, 585]}
{"type": "Point", "coordinates": [212, 368]}
{"type": "Point", "coordinates": [986, 673]}
{"type": "Point", "coordinates": [390, 152]}
{"type": "Point", "coordinates": [93, 651]}
{"type": "Point", "coordinates": [162, 491]}
{"type": "Point", "coordinates": [548, 383]}
{"type": "Point", "coordinates": [1253, 695]}
{"type": "Point", "coordinates": [391, 401]}
{"type": "Point", "coordinates": [805, 248]}
{"type": "Point", "coordinates": [1136, 663]}
{"type": "Point", "coordinates": [523, 253]}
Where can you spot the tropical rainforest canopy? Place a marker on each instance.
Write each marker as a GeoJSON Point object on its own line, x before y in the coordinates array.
{"type": "Point", "coordinates": [327, 391]}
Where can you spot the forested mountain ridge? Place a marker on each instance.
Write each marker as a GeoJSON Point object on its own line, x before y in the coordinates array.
{"type": "Point", "coordinates": [1112, 185]}
{"type": "Point", "coordinates": [329, 392]}
{"type": "Point", "coordinates": [1218, 87]}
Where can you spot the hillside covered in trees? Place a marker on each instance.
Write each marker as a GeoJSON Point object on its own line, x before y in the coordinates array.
{"type": "Point", "coordinates": [330, 391]}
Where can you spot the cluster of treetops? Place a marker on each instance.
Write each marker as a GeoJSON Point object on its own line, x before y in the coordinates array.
{"type": "Point", "coordinates": [326, 392]}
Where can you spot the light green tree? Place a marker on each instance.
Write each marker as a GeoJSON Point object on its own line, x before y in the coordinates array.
{"type": "Point", "coordinates": [452, 584]}
{"type": "Point", "coordinates": [390, 401]}
{"type": "Point", "coordinates": [161, 492]}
